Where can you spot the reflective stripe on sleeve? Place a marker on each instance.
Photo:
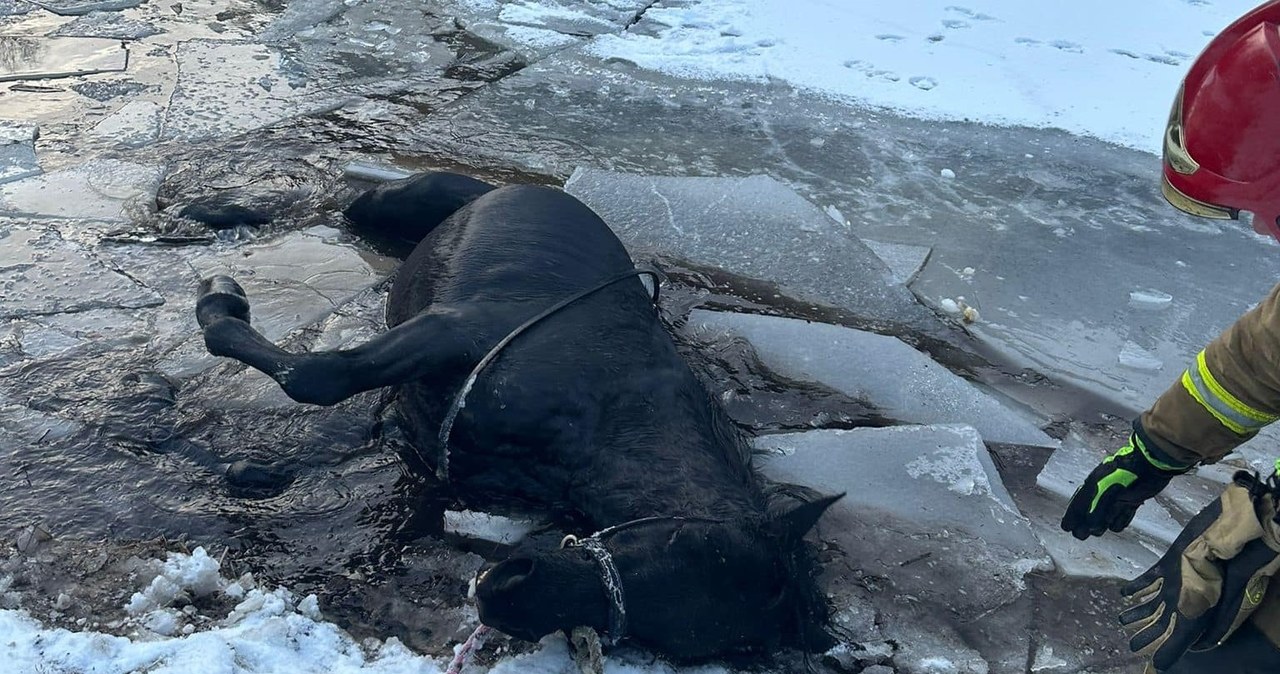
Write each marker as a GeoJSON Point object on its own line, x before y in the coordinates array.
{"type": "Point", "coordinates": [1240, 418]}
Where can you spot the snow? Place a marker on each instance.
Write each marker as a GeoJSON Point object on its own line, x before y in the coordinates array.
{"type": "Point", "coordinates": [1080, 66]}
{"type": "Point", "coordinates": [267, 632]}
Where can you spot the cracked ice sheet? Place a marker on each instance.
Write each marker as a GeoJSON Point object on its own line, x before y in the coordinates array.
{"type": "Point", "coordinates": [43, 274]}
{"type": "Point", "coordinates": [17, 151]}
{"type": "Point", "coordinates": [100, 189]}
{"type": "Point", "coordinates": [1078, 66]}
{"type": "Point", "coordinates": [754, 227]}
{"type": "Point", "coordinates": [924, 505]}
{"type": "Point", "coordinates": [35, 58]}
{"type": "Point", "coordinates": [897, 380]}
{"type": "Point", "coordinates": [226, 88]}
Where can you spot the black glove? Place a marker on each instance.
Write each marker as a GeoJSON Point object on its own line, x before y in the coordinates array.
{"type": "Point", "coordinates": [1211, 580]}
{"type": "Point", "coordinates": [1111, 494]}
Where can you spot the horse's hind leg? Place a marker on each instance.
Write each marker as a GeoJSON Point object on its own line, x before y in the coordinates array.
{"type": "Point", "coordinates": [411, 350]}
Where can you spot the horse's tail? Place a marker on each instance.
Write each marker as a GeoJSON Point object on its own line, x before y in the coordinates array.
{"type": "Point", "coordinates": [403, 212]}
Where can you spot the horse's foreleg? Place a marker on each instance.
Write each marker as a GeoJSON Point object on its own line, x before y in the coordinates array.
{"type": "Point", "coordinates": [411, 350]}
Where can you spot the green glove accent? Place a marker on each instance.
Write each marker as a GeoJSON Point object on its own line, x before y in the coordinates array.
{"type": "Point", "coordinates": [1109, 497]}
{"type": "Point", "coordinates": [1213, 577]}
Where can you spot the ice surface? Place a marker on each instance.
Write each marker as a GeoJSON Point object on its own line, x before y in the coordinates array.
{"type": "Point", "coordinates": [1149, 299]}
{"type": "Point", "coordinates": [135, 125]}
{"type": "Point", "coordinates": [933, 478]}
{"type": "Point", "coordinates": [78, 7]}
{"type": "Point", "coordinates": [1133, 356]}
{"type": "Point", "coordinates": [43, 274]}
{"type": "Point", "coordinates": [997, 61]}
{"type": "Point", "coordinates": [904, 260]}
{"type": "Point", "coordinates": [897, 380]}
{"type": "Point", "coordinates": [226, 88]}
{"type": "Point", "coordinates": [948, 538]}
{"type": "Point", "coordinates": [107, 24]}
{"type": "Point", "coordinates": [486, 527]}
{"type": "Point", "coordinates": [35, 58]}
{"type": "Point", "coordinates": [17, 151]}
{"type": "Point", "coordinates": [1053, 239]}
{"type": "Point", "coordinates": [754, 227]}
{"type": "Point", "coordinates": [1068, 467]}
{"type": "Point", "coordinates": [99, 189]}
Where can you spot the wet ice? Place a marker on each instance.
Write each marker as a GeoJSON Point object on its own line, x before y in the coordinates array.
{"type": "Point", "coordinates": [898, 380]}
{"type": "Point", "coordinates": [31, 58]}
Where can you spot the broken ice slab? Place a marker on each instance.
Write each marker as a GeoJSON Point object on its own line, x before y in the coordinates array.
{"type": "Point", "coordinates": [17, 151]}
{"type": "Point", "coordinates": [538, 28]}
{"type": "Point", "coordinates": [135, 125]}
{"type": "Point", "coordinates": [935, 477]}
{"type": "Point", "coordinates": [100, 189]}
{"type": "Point", "coordinates": [904, 260]}
{"type": "Point", "coordinates": [754, 227]}
{"type": "Point", "coordinates": [44, 274]}
{"type": "Point", "coordinates": [380, 173]}
{"type": "Point", "coordinates": [225, 88]}
{"type": "Point", "coordinates": [79, 7]}
{"type": "Point", "coordinates": [897, 380]}
{"type": "Point", "coordinates": [1071, 463]}
{"type": "Point", "coordinates": [34, 58]}
{"type": "Point", "coordinates": [108, 25]}
{"type": "Point", "coordinates": [923, 505]}
{"type": "Point", "coordinates": [486, 527]}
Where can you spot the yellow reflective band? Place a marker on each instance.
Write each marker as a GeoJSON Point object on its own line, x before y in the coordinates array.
{"type": "Point", "coordinates": [1262, 418]}
{"type": "Point", "coordinates": [1240, 418]}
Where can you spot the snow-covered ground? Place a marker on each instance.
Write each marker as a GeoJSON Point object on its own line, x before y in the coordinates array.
{"type": "Point", "coordinates": [268, 631]}
{"type": "Point", "coordinates": [1095, 67]}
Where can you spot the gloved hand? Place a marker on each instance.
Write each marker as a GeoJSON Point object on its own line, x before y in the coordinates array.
{"type": "Point", "coordinates": [1111, 494]}
{"type": "Point", "coordinates": [1212, 578]}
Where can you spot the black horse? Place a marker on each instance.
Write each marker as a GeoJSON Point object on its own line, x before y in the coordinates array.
{"type": "Point", "coordinates": [585, 410]}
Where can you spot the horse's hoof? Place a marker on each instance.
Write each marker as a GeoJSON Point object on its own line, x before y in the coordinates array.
{"type": "Point", "coordinates": [220, 297]}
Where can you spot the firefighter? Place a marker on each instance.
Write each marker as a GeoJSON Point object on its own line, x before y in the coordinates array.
{"type": "Point", "coordinates": [1208, 605]}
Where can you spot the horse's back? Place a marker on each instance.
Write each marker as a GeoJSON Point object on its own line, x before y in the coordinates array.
{"type": "Point", "coordinates": [517, 244]}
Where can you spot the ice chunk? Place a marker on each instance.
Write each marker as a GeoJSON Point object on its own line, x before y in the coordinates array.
{"type": "Point", "coordinates": [1068, 467]}
{"type": "Point", "coordinates": [898, 380]}
{"type": "Point", "coordinates": [1134, 356]}
{"type": "Point", "coordinates": [904, 260]}
{"type": "Point", "coordinates": [965, 549]}
{"type": "Point", "coordinates": [754, 227]}
{"type": "Point", "coordinates": [134, 125]}
{"type": "Point", "coordinates": [226, 88]}
{"type": "Point", "coordinates": [180, 576]}
{"type": "Point", "coordinates": [100, 189]}
{"type": "Point", "coordinates": [109, 25]}
{"type": "Point", "coordinates": [486, 527]}
{"type": "Point", "coordinates": [43, 274]}
{"type": "Point", "coordinates": [78, 7]}
{"type": "Point", "coordinates": [359, 170]}
{"type": "Point", "coordinates": [947, 174]}
{"type": "Point", "coordinates": [1150, 299]}
{"type": "Point", "coordinates": [33, 58]}
{"type": "Point", "coordinates": [17, 151]}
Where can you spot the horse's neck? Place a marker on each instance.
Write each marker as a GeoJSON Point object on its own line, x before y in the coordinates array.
{"type": "Point", "coordinates": [689, 464]}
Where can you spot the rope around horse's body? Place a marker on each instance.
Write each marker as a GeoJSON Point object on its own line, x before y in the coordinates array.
{"type": "Point", "coordinates": [460, 400]}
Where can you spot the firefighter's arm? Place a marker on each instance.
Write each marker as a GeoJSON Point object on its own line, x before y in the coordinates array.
{"type": "Point", "coordinates": [1228, 393]}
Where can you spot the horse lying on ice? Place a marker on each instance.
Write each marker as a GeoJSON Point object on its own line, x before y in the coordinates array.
{"type": "Point", "coordinates": [531, 364]}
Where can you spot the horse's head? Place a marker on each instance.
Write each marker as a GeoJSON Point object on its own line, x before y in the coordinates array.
{"type": "Point", "coordinates": [691, 588]}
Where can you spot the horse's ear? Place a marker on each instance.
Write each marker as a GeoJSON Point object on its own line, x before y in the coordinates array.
{"type": "Point", "coordinates": [511, 574]}
{"type": "Point", "coordinates": [795, 523]}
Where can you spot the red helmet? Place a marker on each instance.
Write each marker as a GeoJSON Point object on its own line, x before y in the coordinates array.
{"type": "Point", "coordinates": [1222, 144]}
